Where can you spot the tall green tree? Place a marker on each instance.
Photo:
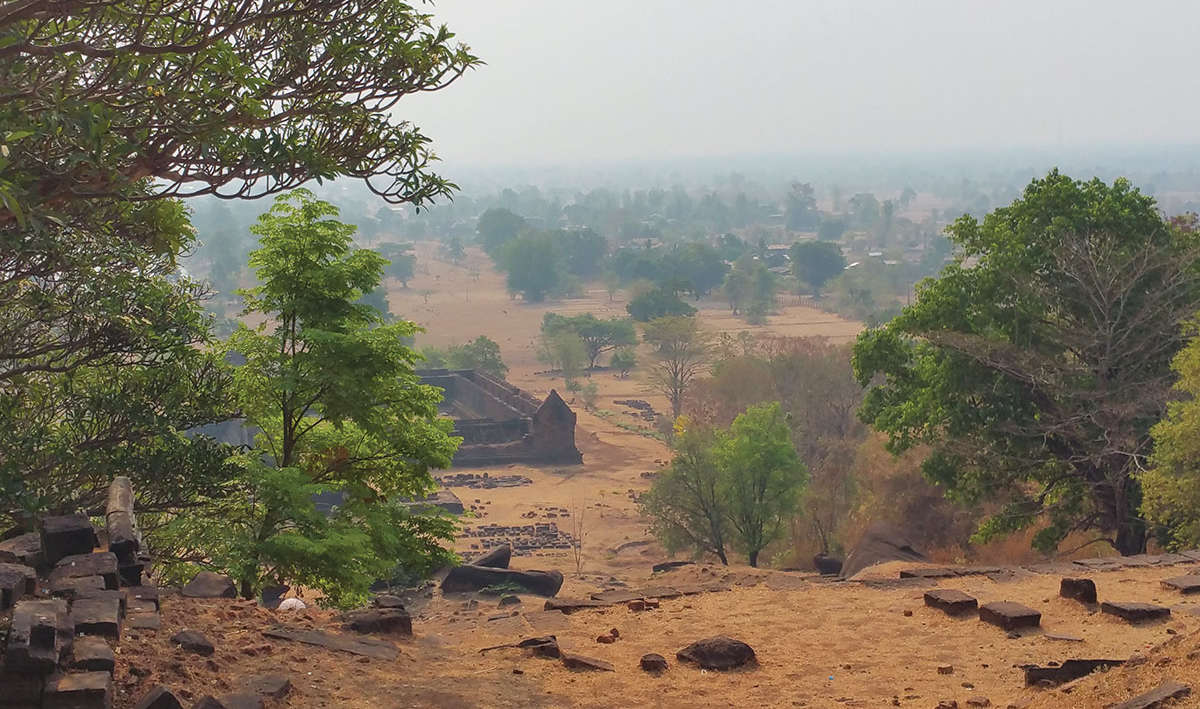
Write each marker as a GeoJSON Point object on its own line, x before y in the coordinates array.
{"type": "Point", "coordinates": [1035, 372]}
{"type": "Point", "coordinates": [815, 262]}
{"type": "Point", "coordinates": [401, 261]}
{"type": "Point", "coordinates": [533, 266]}
{"type": "Point", "coordinates": [598, 336]}
{"type": "Point", "coordinates": [339, 410]}
{"type": "Point", "coordinates": [686, 504]}
{"type": "Point", "coordinates": [497, 227]}
{"type": "Point", "coordinates": [763, 479]}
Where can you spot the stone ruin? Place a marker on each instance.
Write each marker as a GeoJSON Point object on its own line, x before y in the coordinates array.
{"type": "Point", "coordinates": [501, 424]}
{"type": "Point", "coordinates": [67, 603]}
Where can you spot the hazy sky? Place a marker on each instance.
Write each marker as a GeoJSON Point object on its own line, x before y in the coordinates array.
{"type": "Point", "coordinates": [603, 80]}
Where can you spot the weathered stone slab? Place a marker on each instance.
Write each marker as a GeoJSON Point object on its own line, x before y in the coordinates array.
{"type": "Point", "coordinates": [16, 580]}
{"type": "Point", "coordinates": [1077, 589]}
{"type": "Point", "coordinates": [193, 641]}
{"type": "Point", "coordinates": [573, 661]}
{"type": "Point", "coordinates": [144, 593]}
{"type": "Point", "coordinates": [1135, 612]}
{"type": "Point", "coordinates": [66, 535]}
{"type": "Point", "coordinates": [79, 690]}
{"type": "Point", "coordinates": [102, 564]}
{"type": "Point", "coordinates": [467, 578]}
{"type": "Point", "coordinates": [1183, 584]}
{"type": "Point", "coordinates": [273, 686]}
{"type": "Point", "coordinates": [92, 654]}
{"type": "Point", "coordinates": [97, 616]}
{"type": "Point", "coordinates": [23, 549]}
{"type": "Point", "coordinates": [498, 558]}
{"type": "Point", "coordinates": [1067, 671]}
{"type": "Point", "coordinates": [669, 565]}
{"type": "Point", "coordinates": [1009, 615]}
{"type": "Point", "coordinates": [616, 595]}
{"type": "Point", "coordinates": [378, 620]}
{"type": "Point", "coordinates": [70, 586]}
{"type": "Point", "coordinates": [1063, 637]}
{"type": "Point", "coordinates": [951, 601]}
{"type": "Point", "coordinates": [547, 621]}
{"type": "Point", "coordinates": [39, 633]}
{"type": "Point", "coordinates": [1102, 564]}
{"type": "Point", "coordinates": [21, 689]}
{"type": "Point", "coordinates": [659, 592]}
{"type": "Point", "coordinates": [159, 698]}
{"type": "Point", "coordinates": [355, 646]}
{"type": "Point", "coordinates": [929, 573]}
{"type": "Point", "coordinates": [718, 653]}
{"type": "Point", "coordinates": [1191, 554]}
{"type": "Point", "coordinates": [1156, 697]}
{"type": "Point", "coordinates": [141, 620]}
{"type": "Point", "coordinates": [574, 605]}
{"type": "Point", "coordinates": [207, 584]}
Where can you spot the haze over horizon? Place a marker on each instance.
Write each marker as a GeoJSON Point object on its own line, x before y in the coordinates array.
{"type": "Point", "coordinates": [635, 81]}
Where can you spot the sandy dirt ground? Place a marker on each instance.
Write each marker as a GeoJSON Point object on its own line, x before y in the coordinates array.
{"type": "Point", "coordinates": [818, 643]}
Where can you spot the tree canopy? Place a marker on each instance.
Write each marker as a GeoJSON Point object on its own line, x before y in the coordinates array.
{"type": "Point", "coordinates": [1035, 370]}
{"type": "Point", "coordinates": [598, 336]}
{"type": "Point", "coordinates": [339, 412]}
{"type": "Point", "coordinates": [815, 262]}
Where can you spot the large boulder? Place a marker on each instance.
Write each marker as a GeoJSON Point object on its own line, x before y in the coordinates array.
{"type": "Point", "coordinates": [468, 578]}
{"type": "Point", "coordinates": [207, 584]}
{"type": "Point", "coordinates": [718, 653]}
{"type": "Point", "coordinates": [497, 558]}
{"type": "Point", "coordinates": [882, 542]}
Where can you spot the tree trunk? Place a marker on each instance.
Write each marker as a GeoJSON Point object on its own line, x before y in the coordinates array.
{"type": "Point", "coordinates": [1131, 537]}
{"type": "Point", "coordinates": [247, 591]}
{"type": "Point", "coordinates": [722, 557]}
{"type": "Point", "coordinates": [754, 558]}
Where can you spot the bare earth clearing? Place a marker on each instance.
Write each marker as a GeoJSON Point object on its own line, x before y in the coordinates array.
{"type": "Point", "coordinates": [818, 643]}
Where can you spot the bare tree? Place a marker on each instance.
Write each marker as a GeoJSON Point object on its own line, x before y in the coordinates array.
{"type": "Point", "coordinates": [682, 351]}
{"type": "Point", "coordinates": [578, 532]}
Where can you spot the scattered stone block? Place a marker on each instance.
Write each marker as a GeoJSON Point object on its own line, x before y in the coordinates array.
{"type": "Point", "coordinates": [1066, 672]}
{"type": "Point", "coordinates": [364, 647]}
{"type": "Point", "coordinates": [97, 616]}
{"type": "Point", "coordinates": [1063, 637]}
{"type": "Point", "coordinates": [39, 632]}
{"type": "Point", "coordinates": [79, 690]}
{"type": "Point", "coordinates": [144, 593]}
{"type": "Point", "coordinates": [978, 701]}
{"type": "Point", "coordinates": [1009, 616]}
{"type": "Point", "coordinates": [653, 662]}
{"type": "Point", "coordinates": [573, 605]}
{"type": "Point", "coordinates": [1135, 612]}
{"type": "Point", "coordinates": [143, 621]}
{"type": "Point", "coordinates": [159, 698]}
{"type": "Point", "coordinates": [669, 565]}
{"type": "Point", "coordinates": [1183, 584]}
{"type": "Point", "coordinates": [24, 549]}
{"type": "Point", "coordinates": [498, 558]}
{"type": "Point", "coordinates": [573, 661]}
{"type": "Point", "coordinates": [92, 654]}
{"type": "Point", "coordinates": [718, 653]}
{"type": "Point", "coordinates": [951, 601]}
{"type": "Point", "coordinates": [16, 580]}
{"type": "Point", "coordinates": [616, 595]}
{"type": "Point", "coordinates": [378, 620]}
{"type": "Point", "coordinates": [66, 535]}
{"type": "Point", "coordinates": [241, 701]}
{"type": "Point", "coordinates": [193, 641]}
{"type": "Point", "coordinates": [827, 565]}
{"type": "Point", "coordinates": [101, 563]}
{"type": "Point", "coordinates": [21, 689]}
{"type": "Point", "coordinates": [468, 578]}
{"type": "Point", "coordinates": [1156, 697]}
{"type": "Point", "coordinates": [208, 701]}
{"type": "Point", "coordinates": [385, 600]}
{"type": "Point", "coordinates": [1077, 589]}
{"type": "Point", "coordinates": [69, 587]}
{"type": "Point", "coordinates": [89, 593]}
{"type": "Point", "coordinates": [273, 686]}
{"type": "Point", "coordinates": [207, 584]}
{"type": "Point", "coordinates": [124, 540]}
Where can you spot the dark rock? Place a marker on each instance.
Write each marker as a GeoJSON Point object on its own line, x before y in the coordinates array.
{"type": "Point", "coordinates": [66, 535]}
{"type": "Point", "coordinates": [142, 620]}
{"type": "Point", "coordinates": [193, 641]}
{"type": "Point", "coordinates": [718, 653]}
{"type": "Point", "coordinates": [25, 549]}
{"type": "Point", "coordinates": [573, 605]}
{"type": "Point", "coordinates": [159, 698]}
{"type": "Point", "coordinates": [881, 542]}
{"type": "Point", "coordinates": [978, 702]}
{"type": "Point", "coordinates": [605, 639]}
{"type": "Point", "coordinates": [97, 616]}
{"type": "Point", "coordinates": [242, 701]}
{"type": "Point", "coordinates": [827, 565]}
{"type": "Point", "coordinates": [643, 604]}
{"type": "Point", "coordinates": [274, 686]}
{"type": "Point", "coordinates": [92, 654]}
{"type": "Point", "coordinates": [544, 646]}
{"type": "Point", "coordinates": [1082, 590]}
{"type": "Point", "coordinates": [386, 600]}
{"type": "Point", "coordinates": [1156, 697]}
{"type": "Point", "coordinates": [654, 662]}
{"type": "Point", "coordinates": [144, 593]}
{"type": "Point", "coordinates": [509, 601]}
{"type": "Point", "coordinates": [616, 595]}
{"type": "Point", "coordinates": [209, 702]}
{"type": "Point", "coordinates": [669, 565]}
{"type": "Point", "coordinates": [39, 633]}
{"type": "Point", "coordinates": [573, 661]}
{"type": "Point", "coordinates": [78, 690]}
{"type": "Point", "coordinates": [1135, 612]}
{"type": "Point", "coordinates": [1009, 615]}
{"type": "Point", "coordinates": [21, 689]}
{"type": "Point", "coordinates": [951, 601]}
{"type": "Point", "coordinates": [497, 558]}
{"type": "Point", "coordinates": [467, 578]}
{"type": "Point", "coordinates": [365, 647]}
{"type": "Point", "coordinates": [16, 580]}
{"type": "Point", "coordinates": [378, 620]}
{"type": "Point", "coordinates": [101, 563]}
{"type": "Point", "coordinates": [207, 584]}
{"type": "Point", "coordinates": [272, 596]}
{"type": "Point", "coordinates": [1067, 671]}
{"type": "Point", "coordinates": [1183, 584]}
{"type": "Point", "coordinates": [70, 587]}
